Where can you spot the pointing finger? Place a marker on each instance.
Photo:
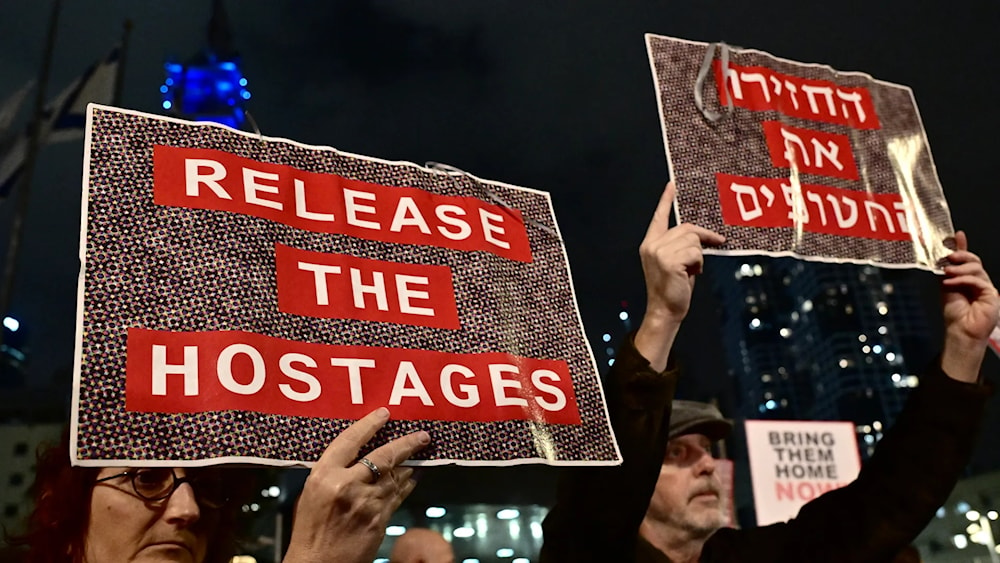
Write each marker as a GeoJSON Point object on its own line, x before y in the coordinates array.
{"type": "Point", "coordinates": [661, 216]}
{"type": "Point", "coordinates": [344, 448]}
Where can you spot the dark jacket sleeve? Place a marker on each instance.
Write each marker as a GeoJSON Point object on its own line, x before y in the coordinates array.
{"type": "Point", "coordinates": [598, 509]}
{"type": "Point", "coordinates": [897, 492]}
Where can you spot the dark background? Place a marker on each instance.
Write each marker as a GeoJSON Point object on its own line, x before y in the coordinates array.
{"type": "Point", "coordinates": [553, 96]}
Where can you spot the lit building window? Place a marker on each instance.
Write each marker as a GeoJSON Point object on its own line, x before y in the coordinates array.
{"type": "Point", "coordinates": [508, 514]}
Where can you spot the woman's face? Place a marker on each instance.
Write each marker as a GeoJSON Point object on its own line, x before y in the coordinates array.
{"type": "Point", "coordinates": [124, 527]}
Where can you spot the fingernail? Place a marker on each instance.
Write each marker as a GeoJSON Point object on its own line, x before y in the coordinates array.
{"type": "Point", "coordinates": [424, 437]}
{"type": "Point", "coordinates": [383, 413]}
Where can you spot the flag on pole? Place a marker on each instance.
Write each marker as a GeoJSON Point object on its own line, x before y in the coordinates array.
{"type": "Point", "coordinates": [14, 152]}
{"type": "Point", "coordinates": [11, 106]}
{"type": "Point", "coordinates": [66, 115]}
{"type": "Point", "coordinates": [62, 120]}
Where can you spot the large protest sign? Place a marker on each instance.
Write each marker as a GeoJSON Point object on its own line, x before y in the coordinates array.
{"type": "Point", "coordinates": [246, 298]}
{"type": "Point", "coordinates": [794, 461]}
{"type": "Point", "coordinates": [794, 159]}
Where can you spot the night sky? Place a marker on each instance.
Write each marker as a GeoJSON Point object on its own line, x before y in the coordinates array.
{"type": "Point", "coordinates": [552, 96]}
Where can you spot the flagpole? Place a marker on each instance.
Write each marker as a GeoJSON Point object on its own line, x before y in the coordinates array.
{"type": "Point", "coordinates": [24, 182]}
{"type": "Point", "coordinates": [116, 99]}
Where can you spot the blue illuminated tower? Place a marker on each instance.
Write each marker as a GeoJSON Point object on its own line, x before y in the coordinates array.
{"type": "Point", "coordinates": [818, 341]}
{"type": "Point", "coordinates": [209, 86]}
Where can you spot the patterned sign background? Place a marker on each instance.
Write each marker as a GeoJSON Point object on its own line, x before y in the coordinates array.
{"type": "Point", "coordinates": [178, 269]}
{"type": "Point", "coordinates": [892, 159]}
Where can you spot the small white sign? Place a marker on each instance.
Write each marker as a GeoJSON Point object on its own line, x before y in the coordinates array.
{"type": "Point", "coordinates": [793, 461]}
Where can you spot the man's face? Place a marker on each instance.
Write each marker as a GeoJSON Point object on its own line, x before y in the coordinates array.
{"type": "Point", "coordinates": [688, 492]}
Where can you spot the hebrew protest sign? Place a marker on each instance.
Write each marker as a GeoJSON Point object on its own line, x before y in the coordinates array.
{"type": "Point", "coordinates": [245, 298]}
{"type": "Point", "coordinates": [795, 159]}
{"type": "Point", "coordinates": [794, 461]}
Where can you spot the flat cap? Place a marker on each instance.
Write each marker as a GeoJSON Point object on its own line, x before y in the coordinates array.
{"type": "Point", "coordinates": [692, 417]}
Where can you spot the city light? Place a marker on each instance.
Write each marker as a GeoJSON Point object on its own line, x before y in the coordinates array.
{"type": "Point", "coordinates": [960, 541]}
{"type": "Point", "coordinates": [395, 531]}
{"type": "Point", "coordinates": [464, 532]}
{"type": "Point", "coordinates": [755, 323]}
{"type": "Point", "coordinates": [972, 515]}
{"type": "Point", "coordinates": [11, 324]}
{"type": "Point", "coordinates": [536, 530]}
{"type": "Point", "coordinates": [623, 316]}
{"type": "Point", "coordinates": [435, 512]}
{"type": "Point", "coordinates": [508, 514]}
{"type": "Point", "coordinates": [606, 337]}
{"type": "Point", "coordinates": [504, 552]}
{"type": "Point", "coordinates": [275, 491]}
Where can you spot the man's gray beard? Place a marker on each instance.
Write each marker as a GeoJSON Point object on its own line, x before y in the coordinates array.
{"type": "Point", "coordinates": [697, 530]}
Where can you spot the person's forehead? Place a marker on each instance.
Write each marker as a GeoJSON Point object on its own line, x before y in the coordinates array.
{"type": "Point", "coordinates": [692, 439]}
{"type": "Point", "coordinates": [107, 471]}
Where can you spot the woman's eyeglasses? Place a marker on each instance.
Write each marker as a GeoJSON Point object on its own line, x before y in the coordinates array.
{"type": "Point", "coordinates": [158, 483]}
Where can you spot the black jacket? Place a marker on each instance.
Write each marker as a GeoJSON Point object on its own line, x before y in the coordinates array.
{"type": "Point", "coordinates": [915, 467]}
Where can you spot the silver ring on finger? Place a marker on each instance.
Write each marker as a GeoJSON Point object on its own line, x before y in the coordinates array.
{"type": "Point", "coordinates": [376, 473]}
